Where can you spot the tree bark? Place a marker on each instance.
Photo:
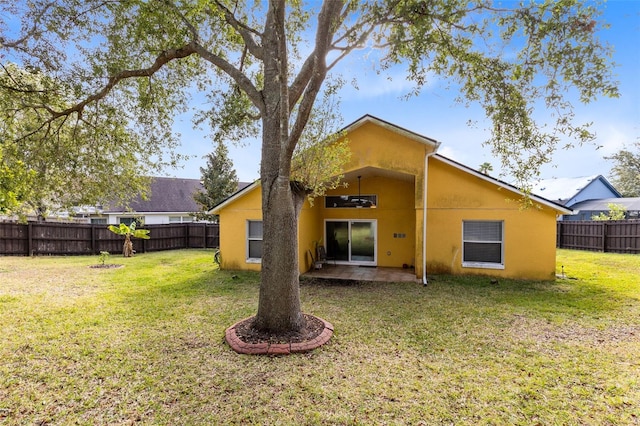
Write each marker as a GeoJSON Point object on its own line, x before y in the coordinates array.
{"type": "Point", "coordinates": [127, 248]}
{"type": "Point", "coordinates": [279, 300]}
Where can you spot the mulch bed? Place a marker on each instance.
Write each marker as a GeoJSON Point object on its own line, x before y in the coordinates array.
{"type": "Point", "coordinates": [313, 328]}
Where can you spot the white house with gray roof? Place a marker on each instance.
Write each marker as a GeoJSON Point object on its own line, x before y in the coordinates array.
{"type": "Point", "coordinates": [170, 200]}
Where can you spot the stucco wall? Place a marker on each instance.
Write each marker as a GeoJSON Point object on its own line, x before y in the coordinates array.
{"type": "Point", "coordinates": [391, 166]}
{"type": "Point", "coordinates": [233, 230]}
{"type": "Point", "coordinates": [455, 196]}
{"type": "Point", "coordinates": [394, 214]}
{"type": "Point", "coordinates": [375, 146]}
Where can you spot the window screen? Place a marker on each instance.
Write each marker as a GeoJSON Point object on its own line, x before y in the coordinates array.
{"type": "Point", "coordinates": [482, 242]}
{"type": "Point", "coordinates": [254, 239]}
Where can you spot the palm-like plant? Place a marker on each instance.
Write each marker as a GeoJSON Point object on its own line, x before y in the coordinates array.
{"type": "Point", "coordinates": [129, 232]}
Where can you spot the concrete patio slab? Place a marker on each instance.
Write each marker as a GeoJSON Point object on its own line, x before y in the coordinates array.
{"type": "Point", "coordinates": [363, 273]}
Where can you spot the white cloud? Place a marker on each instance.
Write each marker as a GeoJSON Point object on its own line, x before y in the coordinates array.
{"type": "Point", "coordinates": [613, 139]}
{"type": "Point", "coordinates": [451, 153]}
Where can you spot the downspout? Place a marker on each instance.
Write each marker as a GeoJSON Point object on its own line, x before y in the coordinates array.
{"type": "Point", "coordinates": [424, 217]}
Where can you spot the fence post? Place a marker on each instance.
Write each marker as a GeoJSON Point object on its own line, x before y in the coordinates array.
{"type": "Point", "coordinates": [93, 239]}
{"type": "Point", "coordinates": [604, 236]}
{"type": "Point", "coordinates": [29, 239]}
{"type": "Point", "coordinates": [204, 235]}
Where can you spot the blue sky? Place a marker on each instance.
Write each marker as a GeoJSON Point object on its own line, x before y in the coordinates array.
{"type": "Point", "coordinates": [434, 113]}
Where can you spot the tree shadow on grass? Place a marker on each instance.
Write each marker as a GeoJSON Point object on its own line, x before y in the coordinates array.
{"type": "Point", "coordinates": [561, 295]}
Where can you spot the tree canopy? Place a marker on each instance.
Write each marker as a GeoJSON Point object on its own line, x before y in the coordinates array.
{"type": "Point", "coordinates": [70, 160]}
{"type": "Point", "coordinates": [133, 63]}
{"type": "Point", "coordinates": [626, 170]}
{"type": "Point", "coordinates": [218, 178]}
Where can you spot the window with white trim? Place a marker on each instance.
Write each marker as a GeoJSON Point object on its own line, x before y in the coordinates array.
{"type": "Point", "coordinates": [254, 240]}
{"type": "Point", "coordinates": [129, 220]}
{"type": "Point", "coordinates": [483, 244]}
{"type": "Point", "coordinates": [180, 219]}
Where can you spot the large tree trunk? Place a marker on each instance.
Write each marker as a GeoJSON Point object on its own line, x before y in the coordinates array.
{"type": "Point", "coordinates": [279, 301]}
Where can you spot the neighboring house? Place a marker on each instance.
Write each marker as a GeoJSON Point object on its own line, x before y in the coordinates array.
{"type": "Point", "coordinates": [569, 191]}
{"type": "Point", "coordinates": [475, 223]}
{"type": "Point", "coordinates": [585, 210]}
{"type": "Point", "coordinates": [170, 200]}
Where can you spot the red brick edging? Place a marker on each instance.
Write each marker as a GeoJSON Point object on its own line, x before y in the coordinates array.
{"type": "Point", "coordinates": [276, 348]}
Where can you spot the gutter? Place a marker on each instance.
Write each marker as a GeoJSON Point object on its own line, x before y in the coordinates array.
{"type": "Point", "coordinates": [424, 217]}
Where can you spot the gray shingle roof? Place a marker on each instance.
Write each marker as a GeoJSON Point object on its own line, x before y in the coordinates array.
{"type": "Point", "coordinates": [596, 205]}
{"type": "Point", "coordinates": [166, 195]}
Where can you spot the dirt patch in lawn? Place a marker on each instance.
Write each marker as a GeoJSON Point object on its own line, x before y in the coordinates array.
{"type": "Point", "coordinates": [541, 331]}
{"type": "Point", "coordinates": [107, 266]}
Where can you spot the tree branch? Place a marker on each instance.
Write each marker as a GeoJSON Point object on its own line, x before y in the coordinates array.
{"type": "Point", "coordinates": [164, 58]}
{"type": "Point", "coordinates": [17, 44]}
{"type": "Point", "coordinates": [247, 33]}
{"type": "Point", "coordinates": [238, 76]}
{"type": "Point", "coordinates": [328, 22]}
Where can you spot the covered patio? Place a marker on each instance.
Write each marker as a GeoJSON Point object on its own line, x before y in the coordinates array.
{"type": "Point", "coordinates": [363, 273]}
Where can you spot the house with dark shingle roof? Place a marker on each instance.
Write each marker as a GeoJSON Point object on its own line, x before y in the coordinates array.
{"type": "Point", "coordinates": [170, 200]}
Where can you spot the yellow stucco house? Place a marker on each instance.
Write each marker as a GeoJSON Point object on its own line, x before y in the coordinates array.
{"type": "Point", "coordinates": [396, 183]}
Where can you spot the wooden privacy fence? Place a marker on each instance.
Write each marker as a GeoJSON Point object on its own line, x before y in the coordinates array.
{"type": "Point", "coordinates": [44, 238]}
{"type": "Point", "coordinates": [616, 236]}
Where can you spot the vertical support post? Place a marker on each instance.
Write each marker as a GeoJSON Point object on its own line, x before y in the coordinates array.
{"type": "Point", "coordinates": [604, 236]}
{"type": "Point", "coordinates": [30, 239]}
{"type": "Point", "coordinates": [94, 249]}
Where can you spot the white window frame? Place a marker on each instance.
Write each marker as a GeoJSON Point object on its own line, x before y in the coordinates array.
{"type": "Point", "coordinates": [251, 238]}
{"type": "Point", "coordinates": [180, 219]}
{"type": "Point", "coordinates": [479, 264]}
{"type": "Point", "coordinates": [138, 219]}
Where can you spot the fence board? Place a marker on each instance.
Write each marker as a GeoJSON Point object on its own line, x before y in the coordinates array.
{"type": "Point", "coordinates": [619, 236]}
{"type": "Point", "coordinates": [45, 238]}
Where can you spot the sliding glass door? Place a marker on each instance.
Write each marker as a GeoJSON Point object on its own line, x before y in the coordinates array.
{"type": "Point", "coordinates": [351, 241]}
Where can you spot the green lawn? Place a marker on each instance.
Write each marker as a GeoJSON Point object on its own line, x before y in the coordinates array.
{"type": "Point", "coordinates": [144, 343]}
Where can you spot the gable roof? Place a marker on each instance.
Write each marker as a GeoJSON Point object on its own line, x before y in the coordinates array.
{"type": "Point", "coordinates": [565, 189]}
{"type": "Point", "coordinates": [165, 195]}
{"type": "Point", "coordinates": [238, 194]}
{"type": "Point", "coordinates": [541, 200]}
{"type": "Point", "coordinates": [421, 139]}
{"type": "Point", "coordinates": [367, 118]}
{"type": "Point", "coordinates": [168, 195]}
{"type": "Point", "coordinates": [631, 203]}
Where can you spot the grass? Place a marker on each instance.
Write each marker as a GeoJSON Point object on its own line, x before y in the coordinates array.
{"type": "Point", "coordinates": [144, 344]}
